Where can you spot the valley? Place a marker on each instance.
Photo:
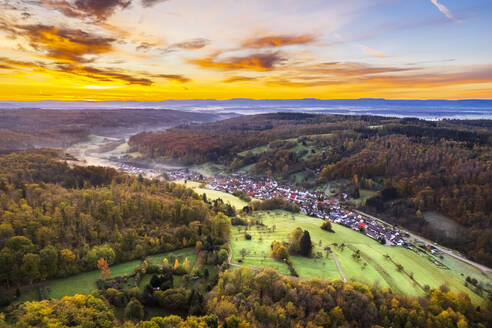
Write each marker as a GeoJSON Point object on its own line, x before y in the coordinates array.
{"type": "Point", "coordinates": [269, 193]}
{"type": "Point", "coordinates": [426, 265]}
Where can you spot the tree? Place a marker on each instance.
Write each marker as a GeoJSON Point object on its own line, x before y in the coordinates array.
{"type": "Point", "coordinates": [49, 261]}
{"type": "Point", "coordinates": [222, 255]}
{"type": "Point", "coordinates": [134, 310]}
{"type": "Point", "coordinates": [220, 229]}
{"type": "Point", "coordinates": [279, 251]}
{"type": "Point", "coordinates": [104, 251]}
{"type": "Point", "coordinates": [327, 226]}
{"type": "Point", "coordinates": [6, 232]}
{"type": "Point", "coordinates": [104, 267]}
{"type": "Point", "coordinates": [295, 241]}
{"type": "Point", "coordinates": [306, 247]}
{"type": "Point", "coordinates": [30, 268]}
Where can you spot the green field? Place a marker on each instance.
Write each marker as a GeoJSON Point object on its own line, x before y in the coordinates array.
{"type": "Point", "coordinates": [213, 194]}
{"type": "Point", "coordinates": [85, 283]}
{"type": "Point", "coordinates": [443, 224]}
{"type": "Point", "coordinates": [365, 194]}
{"type": "Point", "coordinates": [255, 151]}
{"type": "Point", "coordinates": [377, 270]}
{"type": "Point", "coordinates": [208, 169]}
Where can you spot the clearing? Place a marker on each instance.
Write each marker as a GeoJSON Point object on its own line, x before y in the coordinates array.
{"type": "Point", "coordinates": [417, 270]}
{"type": "Point", "coordinates": [85, 283]}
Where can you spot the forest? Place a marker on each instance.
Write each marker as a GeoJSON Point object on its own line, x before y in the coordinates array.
{"type": "Point", "coordinates": [31, 127]}
{"type": "Point", "coordinates": [244, 298]}
{"type": "Point", "coordinates": [57, 220]}
{"type": "Point", "coordinates": [414, 165]}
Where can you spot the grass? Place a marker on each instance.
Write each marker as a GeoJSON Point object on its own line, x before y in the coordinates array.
{"type": "Point", "coordinates": [443, 224]}
{"type": "Point", "coordinates": [85, 283]}
{"type": "Point", "coordinates": [255, 151]}
{"type": "Point", "coordinates": [208, 169]}
{"type": "Point", "coordinates": [364, 195]}
{"type": "Point", "coordinates": [378, 270]}
{"type": "Point", "coordinates": [213, 194]}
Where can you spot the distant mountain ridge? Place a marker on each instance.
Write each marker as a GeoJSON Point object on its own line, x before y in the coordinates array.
{"type": "Point", "coordinates": [426, 109]}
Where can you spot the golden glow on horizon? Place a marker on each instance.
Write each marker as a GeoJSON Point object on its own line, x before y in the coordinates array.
{"type": "Point", "coordinates": [297, 51]}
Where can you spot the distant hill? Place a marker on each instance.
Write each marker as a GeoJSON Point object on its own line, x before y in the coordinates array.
{"type": "Point", "coordinates": [426, 109]}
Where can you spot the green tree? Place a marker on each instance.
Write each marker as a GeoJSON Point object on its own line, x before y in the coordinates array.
{"type": "Point", "coordinates": [31, 265]}
{"type": "Point", "coordinates": [104, 251]}
{"type": "Point", "coordinates": [49, 261]}
{"type": "Point", "coordinates": [220, 228]}
{"type": "Point", "coordinates": [134, 310]}
{"type": "Point", "coordinates": [306, 247]}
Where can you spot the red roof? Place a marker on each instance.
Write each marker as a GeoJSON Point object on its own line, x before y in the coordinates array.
{"type": "Point", "coordinates": [362, 224]}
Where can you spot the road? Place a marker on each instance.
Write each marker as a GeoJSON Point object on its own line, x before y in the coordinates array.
{"type": "Point", "coordinates": [339, 267]}
{"type": "Point", "coordinates": [486, 270]}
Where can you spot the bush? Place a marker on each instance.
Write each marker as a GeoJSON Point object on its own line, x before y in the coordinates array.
{"type": "Point", "coordinates": [134, 310]}
{"type": "Point", "coordinates": [222, 255]}
{"type": "Point", "coordinates": [327, 226]}
{"type": "Point", "coordinates": [175, 299]}
{"type": "Point", "coordinates": [279, 251]}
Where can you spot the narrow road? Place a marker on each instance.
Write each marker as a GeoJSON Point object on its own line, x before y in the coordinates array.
{"type": "Point", "coordinates": [229, 258]}
{"type": "Point", "coordinates": [486, 270]}
{"type": "Point", "coordinates": [339, 267]}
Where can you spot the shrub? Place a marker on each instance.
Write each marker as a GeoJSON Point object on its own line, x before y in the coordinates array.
{"type": "Point", "coordinates": [327, 226]}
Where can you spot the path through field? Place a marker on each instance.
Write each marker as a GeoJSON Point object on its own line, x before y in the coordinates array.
{"type": "Point", "coordinates": [339, 267]}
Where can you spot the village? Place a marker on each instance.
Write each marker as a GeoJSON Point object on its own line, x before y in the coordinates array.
{"type": "Point", "coordinates": [314, 204]}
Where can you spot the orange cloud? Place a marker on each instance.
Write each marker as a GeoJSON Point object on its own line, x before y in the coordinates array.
{"type": "Point", "coordinates": [79, 71]}
{"type": "Point", "coordinates": [174, 77]}
{"type": "Point", "coordinates": [255, 62]}
{"type": "Point", "coordinates": [278, 41]}
{"type": "Point", "coordinates": [68, 45]}
{"type": "Point", "coordinates": [234, 79]}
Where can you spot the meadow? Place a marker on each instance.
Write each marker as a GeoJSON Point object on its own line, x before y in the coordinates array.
{"type": "Point", "coordinates": [443, 224]}
{"type": "Point", "coordinates": [213, 194]}
{"type": "Point", "coordinates": [85, 283]}
{"type": "Point", "coordinates": [417, 270]}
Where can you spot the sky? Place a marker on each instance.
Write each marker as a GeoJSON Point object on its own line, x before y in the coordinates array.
{"type": "Point", "coordinates": [97, 50]}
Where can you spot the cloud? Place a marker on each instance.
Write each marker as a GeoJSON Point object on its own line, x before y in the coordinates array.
{"type": "Point", "coordinates": [380, 78]}
{"type": "Point", "coordinates": [352, 69]}
{"type": "Point", "coordinates": [278, 41]}
{"type": "Point", "coordinates": [234, 79]}
{"type": "Point", "coordinates": [372, 51]}
{"type": "Point", "coordinates": [97, 9]}
{"type": "Point", "coordinates": [150, 3]}
{"type": "Point", "coordinates": [109, 75]}
{"type": "Point", "coordinates": [79, 71]}
{"type": "Point", "coordinates": [443, 9]}
{"type": "Point", "coordinates": [254, 62]}
{"type": "Point", "coordinates": [174, 77]}
{"type": "Point", "coordinates": [65, 44]}
{"type": "Point", "coordinates": [146, 46]}
{"type": "Point", "coordinates": [193, 44]}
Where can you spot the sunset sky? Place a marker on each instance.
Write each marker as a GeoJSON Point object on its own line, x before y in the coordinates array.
{"type": "Point", "coordinates": [190, 49]}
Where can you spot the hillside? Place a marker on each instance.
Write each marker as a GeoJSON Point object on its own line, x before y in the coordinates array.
{"type": "Point", "coordinates": [397, 168]}
{"type": "Point", "coordinates": [91, 246]}
{"type": "Point", "coordinates": [25, 128]}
